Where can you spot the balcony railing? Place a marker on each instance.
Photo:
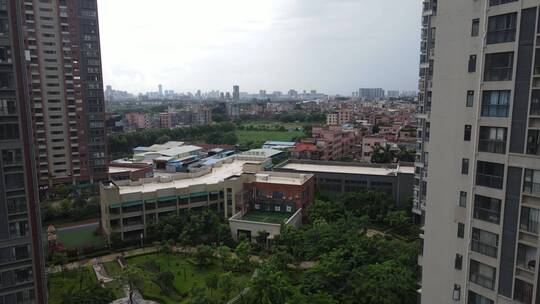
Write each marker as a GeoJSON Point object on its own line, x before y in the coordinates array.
{"type": "Point", "coordinates": [492, 146]}
{"type": "Point", "coordinates": [482, 280]}
{"type": "Point", "coordinates": [487, 215]}
{"type": "Point", "coordinates": [491, 181]}
{"type": "Point", "coordinates": [531, 188]}
{"type": "Point", "coordinates": [494, 110]}
{"type": "Point", "coordinates": [485, 249]}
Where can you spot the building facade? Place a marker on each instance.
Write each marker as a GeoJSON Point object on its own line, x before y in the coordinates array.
{"type": "Point", "coordinates": [346, 177]}
{"type": "Point", "coordinates": [371, 93]}
{"type": "Point", "coordinates": [479, 117]}
{"type": "Point", "coordinates": [64, 63]}
{"type": "Point", "coordinates": [21, 248]}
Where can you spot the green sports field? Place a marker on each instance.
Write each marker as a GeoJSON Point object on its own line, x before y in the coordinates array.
{"type": "Point", "coordinates": [266, 217]}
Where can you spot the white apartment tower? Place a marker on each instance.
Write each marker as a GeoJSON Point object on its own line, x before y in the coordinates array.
{"type": "Point", "coordinates": [477, 183]}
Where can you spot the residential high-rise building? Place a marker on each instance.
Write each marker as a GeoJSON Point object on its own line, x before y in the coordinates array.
{"type": "Point", "coordinates": [479, 113]}
{"type": "Point", "coordinates": [236, 93]}
{"type": "Point", "coordinates": [64, 68]}
{"type": "Point", "coordinates": [160, 90]}
{"type": "Point", "coordinates": [21, 248]}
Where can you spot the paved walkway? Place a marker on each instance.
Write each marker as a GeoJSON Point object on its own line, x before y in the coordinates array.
{"type": "Point", "coordinates": [148, 250]}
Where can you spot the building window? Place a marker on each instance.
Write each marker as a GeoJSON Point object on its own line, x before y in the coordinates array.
{"type": "Point", "coordinates": [277, 195]}
{"type": "Point", "coordinates": [470, 99]}
{"type": "Point", "coordinates": [475, 298]}
{"type": "Point", "coordinates": [475, 30]}
{"type": "Point", "coordinates": [530, 218]}
{"type": "Point", "coordinates": [484, 242]}
{"type": "Point", "coordinates": [535, 97]}
{"type": "Point", "coordinates": [289, 209]}
{"type": "Point", "coordinates": [531, 184]}
{"type": "Point", "coordinates": [465, 166]}
{"type": "Point", "coordinates": [492, 140]}
{"type": "Point", "coordinates": [533, 142]}
{"type": "Point", "coordinates": [499, 66]}
{"type": "Point", "coordinates": [487, 209]}
{"type": "Point", "coordinates": [482, 274]}
{"type": "Point", "coordinates": [461, 230]}
{"type": "Point", "coordinates": [495, 103]}
{"type": "Point", "coordinates": [467, 133]}
{"type": "Point", "coordinates": [502, 28]}
{"type": "Point", "coordinates": [463, 199]}
{"type": "Point", "coordinates": [458, 262]}
{"type": "Point", "coordinates": [277, 208]}
{"type": "Point", "coordinates": [472, 64]}
{"type": "Point", "coordinates": [523, 292]}
{"type": "Point", "coordinates": [490, 175]}
{"type": "Point", "coordinates": [526, 257]}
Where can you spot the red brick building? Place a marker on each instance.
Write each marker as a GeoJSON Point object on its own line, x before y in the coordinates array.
{"type": "Point", "coordinates": [278, 192]}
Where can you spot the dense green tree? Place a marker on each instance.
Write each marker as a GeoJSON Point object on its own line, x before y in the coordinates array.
{"type": "Point", "coordinates": [204, 255]}
{"type": "Point", "coordinates": [269, 287]}
{"type": "Point", "coordinates": [226, 284]}
{"type": "Point", "coordinates": [385, 283]}
{"type": "Point", "coordinates": [212, 281]}
{"type": "Point", "coordinates": [383, 155]}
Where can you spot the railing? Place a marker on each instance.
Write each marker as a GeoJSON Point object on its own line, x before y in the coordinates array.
{"type": "Point", "coordinates": [482, 248]}
{"type": "Point", "coordinates": [500, 110]}
{"type": "Point", "coordinates": [482, 280]}
{"type": "Point", "coordinates": [490, 181]}
{"type": "Point", "coordinates": [492, 146]}
{"type": "Point", "coordinates": [487, 215]}
{"type": "Point", "coordinates": [531, 188]}
{"type": "Point", "coordinates": [498, 74]}
{"type": "Point", "coordinates": [500, 36]}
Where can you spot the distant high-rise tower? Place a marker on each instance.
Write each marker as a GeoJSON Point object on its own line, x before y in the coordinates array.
{"type": "Point", "coordinates": [160, 87]}
{"type": "Point", "coordinates": [64, 62]}
{"type": "Point", "coordinates": [236, 93]}
{"type": "Point", "coordinates": [21, 247]}
{"type": "Point", "coordinates": [477, 177]}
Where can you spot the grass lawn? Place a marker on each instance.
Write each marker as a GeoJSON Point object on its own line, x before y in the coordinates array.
{"type": "Point", "coordinates": [61, 283]}
{"type": "Point", "coordinates": [262, 136]}
{"type": "Point", "coordinates": [266, 217]}
{"type": "Point", "coordinates": [80, 237]}
{"type": "Point", "coordinates": [186, 275]}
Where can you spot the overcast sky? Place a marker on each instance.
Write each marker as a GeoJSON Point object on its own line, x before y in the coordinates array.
{"type": "Point", "coordinates": [334, 46]}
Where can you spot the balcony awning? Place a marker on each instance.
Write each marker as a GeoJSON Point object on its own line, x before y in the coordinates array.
{"type": "Point", "coordinates": [199, 194]}
{"type": "Point", "coordinates": [166, 198]}
{"type": "Point", "coordinates": [132, 203]}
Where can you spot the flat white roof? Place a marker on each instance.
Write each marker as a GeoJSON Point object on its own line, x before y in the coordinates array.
{"type": "Point", "coordinates": [122, 169]}
{"type": "Point", "coordinates": [217, 175]}
{"type": "Point", "coordinates": [294, 179]}
{"type": "Point", "coordinates": [347, 169]}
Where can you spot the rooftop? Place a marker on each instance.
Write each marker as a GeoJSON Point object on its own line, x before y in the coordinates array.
{"type": "Point", "coordinates": [280, 143]}
{"type": "Point", "coordinates": [122, 169]}
{"type": "Point", "coordinates": [216, 175]}
{"type": "Point", "coordinates": [266, 153]}
{"type": "Point", "coordinates": [266, 217]}
{"type": "Point", "coordinates": [348, 169]}
{"type": "Point", "coordinates": [282, 178]}
{"type": "Point", "coordinates": [173, 152]}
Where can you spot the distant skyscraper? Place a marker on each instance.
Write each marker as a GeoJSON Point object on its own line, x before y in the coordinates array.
{"type": "Point", "coordinates": [160, 90]}
{"type": "Point", "coordinates": [22, 276]}
{"type": "Point", "coordinates": [371, 93]}
{"type": "Point", "coordinates": [236, 93]}
{"type": "Point", "coordinates": [64, 63]}
{"type": "Point", "coordinates": [228, 96]}
{"type": "Point", "coordinates": [292, 93]}
{"type": "Point", "coordinates": [392, 94]}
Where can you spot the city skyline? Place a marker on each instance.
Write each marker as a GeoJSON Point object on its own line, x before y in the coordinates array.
{"type": "Point", "coordinates": [269, 45]}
